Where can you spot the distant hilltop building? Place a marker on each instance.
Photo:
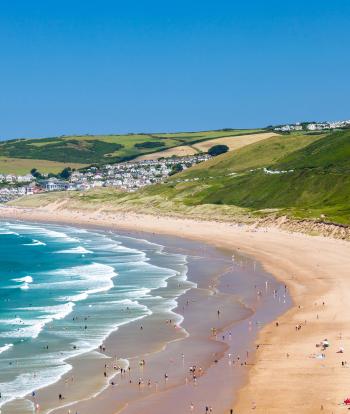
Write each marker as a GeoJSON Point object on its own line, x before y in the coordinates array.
{"type": "Point", "coordinates": [288, 128]}
{"type": "Point", "coordinates": [313, 126]}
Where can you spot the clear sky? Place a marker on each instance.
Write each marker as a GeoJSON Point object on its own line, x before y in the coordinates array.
{"type": "Point", "coordinates": [100, 66]}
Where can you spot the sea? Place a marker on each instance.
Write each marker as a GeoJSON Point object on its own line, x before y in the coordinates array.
{"type": "Point", "coordinates": [63, 290]}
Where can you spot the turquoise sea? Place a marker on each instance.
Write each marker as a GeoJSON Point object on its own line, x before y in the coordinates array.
{"type": "Point", "coordinates": [63, 290]}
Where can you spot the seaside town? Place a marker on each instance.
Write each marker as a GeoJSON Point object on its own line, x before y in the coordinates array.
{"type": "Point", "coordinates": [175, 207]}
{"type": "Point", "coordinates": [126, 176]}
{"type": "Point", "coordinates": [313, 126]}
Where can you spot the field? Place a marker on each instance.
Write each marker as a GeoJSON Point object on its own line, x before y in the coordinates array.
{"type": "Point", "coordinates": [21, 166]}
{"type": "Point", "coordinates": [180, 151]}
{"type": "Point", "coordinates": [233, 142]}
{"type": "Point", "coordinates": [102, 149]}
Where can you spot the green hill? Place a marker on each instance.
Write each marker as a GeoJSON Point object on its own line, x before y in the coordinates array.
{"type": "Point", "coordinates": [298, 175]}
{"type": "Point", "coordinates": [307, 176]}
{"type": "Point", "coordinates": [330, 152]}
{"type": "Point", "coordinates": [102, 149]}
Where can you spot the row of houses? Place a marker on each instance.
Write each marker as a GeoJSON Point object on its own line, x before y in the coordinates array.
{"type": "Point", "coordinates": [16, 179]}
{"type": "Point", "coordinates": [318, 126]}
{"type": "Point", "coordinates": [11, 192]}
{"type": "Point", "coordinates": [313, 126]}
{"type": "Point", "coordinates": [289, 128]}
{"type": "Point", "coordinates": [128, 176]}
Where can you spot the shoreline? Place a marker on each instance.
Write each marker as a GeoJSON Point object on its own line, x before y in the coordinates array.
{"type": "Point", "coordinates": [86, 356]}
{"type": "Point", "coordinates": [218, 266]}
{"type": "Point", "coordinates": [315, 270]}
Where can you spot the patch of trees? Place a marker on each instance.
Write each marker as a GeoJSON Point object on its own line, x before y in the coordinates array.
{"type": "Point", "coordinates": [63, 175]}
{"type": "Point", "coordinates": [63, 150]}
{"type": "Point", "coordinates": [176, 169]}
{"type": "Point", "coordinates": [149, 144]}
{"type": "Point", "coordinates": [217, 150]}
{"type": "Point", "coordinates": [36, 174]}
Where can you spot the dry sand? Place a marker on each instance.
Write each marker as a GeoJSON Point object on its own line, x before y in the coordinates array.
{"type": "Point", "coordinates": [285, 377]}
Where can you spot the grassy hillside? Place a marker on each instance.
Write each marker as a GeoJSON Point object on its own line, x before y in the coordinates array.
{"type": "Point", "coordinates": [233, 141]}
{"type": "Point", "coordinates": [330, 152]}
{"type": "Point", "coordinates": [316, 184]}
{"type": "Point", "coordinates": [256, 155]}
{"type": "Point", "coordinates": [307, 176]}
{"type": "Point", "coordinates": [21, 166]}
{"type": "Point", "coordinates": [100, 149]}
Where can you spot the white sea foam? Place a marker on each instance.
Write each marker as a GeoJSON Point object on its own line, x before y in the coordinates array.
{"type": "Point", "coordinates": [158, 247]}
{"type": "Point", "coordinates": [97, 276]}
{"type": "Point", "coordinates": [137, 255]}
{"type": "Point", "coordinates": [85, 280]}
{"type": "Point", "coordinates": [56, 311]}
{"type": "Point", "coordinates": [59, 235]}
{"type": "Point", "coordinates": [25, 279]}
{"type": "Point", "coordinates": [32, 229]}
{"type": "Point", "coordinates": [137, 293]}
{"type": "Point", "coordinates": [76, 298]}
{"type": "Point", "coordinates": [75, 250]}
{"type": "Point", "coordinates": [89, 279]}
{"type": "Point", "coordinates": [14, 321]}
{"type": "Point", "coordinates": [35, 243]}
{"type": "Point", "coordinates": [32, 328]}
{"type": "Point", "coordinates": [28, 331]}
{"type": "Point", "coordinates": [6, 347]}
{"type": "Point", "coordinates": [25, 383]}
{"type": "Point", "coordinates": [7, 232]}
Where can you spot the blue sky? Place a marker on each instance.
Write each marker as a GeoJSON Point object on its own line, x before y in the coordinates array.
{"type": "Point", "coordinates": [129, 66]}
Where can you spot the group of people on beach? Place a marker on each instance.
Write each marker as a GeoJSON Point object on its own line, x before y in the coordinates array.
{"type": "Point", "coordinates": [194, 371]}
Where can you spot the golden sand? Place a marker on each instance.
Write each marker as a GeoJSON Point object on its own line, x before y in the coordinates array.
{"type": "Point", "coordinates": [286, 377]}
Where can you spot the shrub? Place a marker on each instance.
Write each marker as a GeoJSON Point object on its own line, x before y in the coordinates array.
{"type": "Point", "coordinates": [176, 169]}
{"type": "Point", "coordinates": [217, 150]}
{"type": "Point", "coordinates": [149, 144]}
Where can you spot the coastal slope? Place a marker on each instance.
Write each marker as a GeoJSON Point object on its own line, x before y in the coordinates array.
{"type": "Point", "coordinates": [83, 150]}
{"type": "Point", "coordinates": [299, 181]}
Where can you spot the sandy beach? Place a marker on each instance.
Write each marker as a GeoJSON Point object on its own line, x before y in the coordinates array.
{"type": "Point", "coordinates": [289, 372]}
